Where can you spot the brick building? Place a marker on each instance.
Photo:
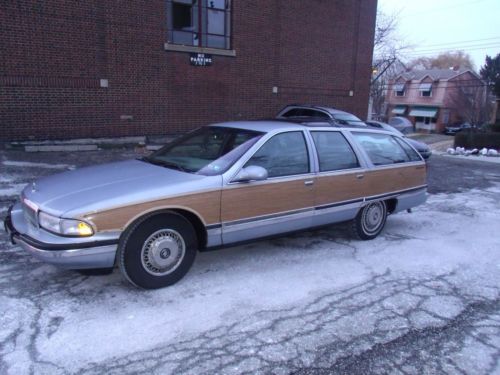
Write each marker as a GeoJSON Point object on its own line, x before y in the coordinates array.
{"type": "Point", "coordinates": [120, 68]}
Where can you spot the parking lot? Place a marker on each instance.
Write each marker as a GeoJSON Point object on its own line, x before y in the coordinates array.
{"type": "Point", "coordinates": [422, 298]}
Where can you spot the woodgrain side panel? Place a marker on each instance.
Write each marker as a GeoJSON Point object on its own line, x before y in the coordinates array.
{"type": "Point", "coordinates": [206, 205]}
{"type": "Point", "coordinates": [343, 187]}
{"type": "Point", "coordinates": [252, 200]}
{"type": "Point", "coordinates": [384, 181]}
{"type": "Point", "coordinates": [338, 188]}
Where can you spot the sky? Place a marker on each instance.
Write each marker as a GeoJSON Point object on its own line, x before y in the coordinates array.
{"type": "Point", "coordinates": [434, 26]}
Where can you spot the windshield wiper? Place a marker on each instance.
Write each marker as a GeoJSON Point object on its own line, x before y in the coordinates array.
{"type": "Point", "coordinates": [164, 163]}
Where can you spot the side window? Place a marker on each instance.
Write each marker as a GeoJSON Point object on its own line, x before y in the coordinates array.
{"type": "Point", "coordinates": [295, 112]}
{"type": "Point", "coordinates": [334, 152]}
{"type": "Point", "coordinates": [283, 155]}
{"type": "Point", "coordinates": [382, 149]}
{"type": "Point", "coordinates": [313, 113]}
{"type": "Point", "coordinates": [412, 154]}
{"type": "Point", "coordinates": [304, 112]}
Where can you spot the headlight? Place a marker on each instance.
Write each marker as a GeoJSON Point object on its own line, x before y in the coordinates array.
{"type": "Point", "coordinates": [67, 227]}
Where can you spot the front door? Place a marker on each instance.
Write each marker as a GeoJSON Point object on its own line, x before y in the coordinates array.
{"type": "Point", "coordinates": [281, 203]}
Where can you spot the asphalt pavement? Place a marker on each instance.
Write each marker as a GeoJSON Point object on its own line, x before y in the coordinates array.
{"type": "Point", "coordinates": [422, 298]}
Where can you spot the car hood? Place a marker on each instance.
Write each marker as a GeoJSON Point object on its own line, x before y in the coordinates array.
{"type": "Point", "coordinates": [98, 188]}
{"type": "Point", "coordinates": [419, 146]}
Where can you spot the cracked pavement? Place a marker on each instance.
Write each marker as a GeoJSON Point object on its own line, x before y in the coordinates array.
{"type": "Point", "coordinates": [422, 298]}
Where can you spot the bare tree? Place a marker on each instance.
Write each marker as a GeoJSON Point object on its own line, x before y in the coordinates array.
{"type": "Point", "coordinates": [445, 60]}
{"type": "Point", "coordinates": [387, 55]}
{"type": "Point", "coordinates": [471, 101]}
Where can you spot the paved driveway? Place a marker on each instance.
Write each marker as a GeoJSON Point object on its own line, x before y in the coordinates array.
{"type": "Point", "coordinates": [423, 298]}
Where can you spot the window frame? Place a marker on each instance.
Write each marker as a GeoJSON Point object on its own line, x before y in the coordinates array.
{"type": "Point", "coordinates": [426, 91]}
{"type": "Point", "coordinates": [382, 166]}
{"type": "Point", "coordinates": [201, 13]}
{"type": "Point", "coordinates": [350, 145]}
{"type": "Point", "coordinates": [308, 153]}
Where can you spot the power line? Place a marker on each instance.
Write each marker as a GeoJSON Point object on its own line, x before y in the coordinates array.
{"type": "Point", "coordinates": [442, 8]}
{"type": "Point", "coordinates": [416, 53]}
{"type": "Point", "coordinates": [462, 41]}
{"type": "Point", "coordinates": [458, 47]}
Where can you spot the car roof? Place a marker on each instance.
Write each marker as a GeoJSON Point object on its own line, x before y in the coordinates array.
{"type": "Point", "coordinates": [287, 124]}
{"type": "Point", "coordinates": [330, 110]}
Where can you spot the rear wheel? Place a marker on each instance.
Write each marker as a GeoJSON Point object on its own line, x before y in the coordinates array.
{"type": "Point", "coordinates": [157, 251]}
{"type": "Point", "coordinates": [369, 221]}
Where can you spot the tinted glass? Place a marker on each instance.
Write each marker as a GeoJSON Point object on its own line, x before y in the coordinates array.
{"type": "Point", "coordinates": [209, 150]}
{"type": "Point", "coordinates": [412, 154]}
{"type": "Point", "coordinates": [348, 119]}
{"type": "Point", "coordinates": [283, 155]}
{"type": "Point", "coordinates": [334, 152]}
{"type": "Point", "coordinates": [382, 149]}
{"type": "Point", "coordinates": [304, 112]}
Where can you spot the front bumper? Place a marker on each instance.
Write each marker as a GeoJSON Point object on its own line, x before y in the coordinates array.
{"type": "Point", "coordinates": [67, 253]}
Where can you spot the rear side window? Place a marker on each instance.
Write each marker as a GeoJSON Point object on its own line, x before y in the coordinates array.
{"type": "Point", "coordinates": [334, 152]}
{"type": "Point", "coordinates": [382, 149]}
{"type": "Point", "coordinates": [412, 154]}
{"type": "Point", "coordinates": [304, 112]}
{"type": "Point", "coordinates": [284, 154]}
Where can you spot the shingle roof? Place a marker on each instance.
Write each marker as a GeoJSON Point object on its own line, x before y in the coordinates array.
{"type": "Point", "coordinates": [433, 73]}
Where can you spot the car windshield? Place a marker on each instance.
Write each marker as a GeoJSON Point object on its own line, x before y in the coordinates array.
{"type": "Point", "coordinates": [347, 118]}
{"type": "Point", "coordinates": [208, 151]}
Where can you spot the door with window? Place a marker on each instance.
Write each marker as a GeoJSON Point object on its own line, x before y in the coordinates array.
{"type": "Point", "coordinates": [281, 203]}
{"type": "Point", "coordinates": [340, 185]}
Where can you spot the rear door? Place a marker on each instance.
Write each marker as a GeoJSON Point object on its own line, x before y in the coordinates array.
{"type": "Point", "coordinates": [340, 183]}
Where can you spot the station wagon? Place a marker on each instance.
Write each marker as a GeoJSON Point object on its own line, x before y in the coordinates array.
{"type": "Point", "coordinates": [219, 185]}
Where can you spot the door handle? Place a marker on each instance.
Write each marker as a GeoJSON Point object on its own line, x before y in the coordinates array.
{"type": "Point", "coordinates": [309, 182]}
{"type": "Point", "coordinates": [360, 176]}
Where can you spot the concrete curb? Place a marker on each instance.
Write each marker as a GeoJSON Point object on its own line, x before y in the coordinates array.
{"type": "Point", "coordinates": [58, 148]}
{"type": "Point", "coordinates": [487, 159]}
{"type": "Point", "coordinates": [441, 146]}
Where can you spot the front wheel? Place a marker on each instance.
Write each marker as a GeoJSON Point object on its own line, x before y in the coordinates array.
{"type": "Point", "coordinates": [157, 251]}
{"type": "Point", "coordinates": [369, 221]}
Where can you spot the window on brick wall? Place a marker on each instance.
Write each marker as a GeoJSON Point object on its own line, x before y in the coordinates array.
{"type": "Point", "coordinates": [399, 89]}
{"type": "Point", "coordinates": [202, 23]}
{"type": "Point", "coordinates": [425, 89]}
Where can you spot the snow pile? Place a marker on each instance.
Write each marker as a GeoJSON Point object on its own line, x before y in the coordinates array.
{"type": "Point", "coordinates": [475, 151]}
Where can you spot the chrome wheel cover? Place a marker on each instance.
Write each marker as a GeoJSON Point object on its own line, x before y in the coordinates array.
{"type": "Point", "coordinates": [373, 217]}
{"type": "Point", "coordinates": [163, 252]}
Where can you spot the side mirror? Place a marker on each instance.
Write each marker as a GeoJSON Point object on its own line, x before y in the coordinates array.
{"type": "Point", "coordinates": [251, 173]}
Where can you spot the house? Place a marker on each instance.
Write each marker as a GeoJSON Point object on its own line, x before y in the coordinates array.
{"type": "Point", "coordinates": [432, 99]}
{"type": "Point", "coordinates": [102, 68]}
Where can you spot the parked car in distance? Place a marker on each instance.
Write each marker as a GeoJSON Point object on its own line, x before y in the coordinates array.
{"type": "Point", "coordinates": [319, 112]}
{"type": "Point", "coordinates": [455, 128]}
{"type": "Point", "coordinates": [422, 148]}
{"type": "Point", "coordinates": [402, 124]}
{"type": "Point", "coordinates": [216, 186]}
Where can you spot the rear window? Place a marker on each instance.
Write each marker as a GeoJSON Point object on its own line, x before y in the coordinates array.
{"type": "Point", "coordinates": [382, 149]}
{"type": "Point", "coordinates": [304, 112]}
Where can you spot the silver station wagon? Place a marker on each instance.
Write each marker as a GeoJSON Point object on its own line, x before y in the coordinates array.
{"type": "Point", "coordinates": [218, 185]}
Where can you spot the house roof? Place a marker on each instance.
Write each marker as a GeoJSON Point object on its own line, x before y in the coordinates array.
{"type": "Point", "coordinates": [435, 74]}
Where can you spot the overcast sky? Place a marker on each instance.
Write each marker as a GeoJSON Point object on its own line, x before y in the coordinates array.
{"type": "Point", "coordinates": [433, 26]}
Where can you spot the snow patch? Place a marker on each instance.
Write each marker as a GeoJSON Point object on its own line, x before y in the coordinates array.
{"type": "Point", "coordinates": [14, 189]}
{"type": "Point", "coordinates": [29, 164]}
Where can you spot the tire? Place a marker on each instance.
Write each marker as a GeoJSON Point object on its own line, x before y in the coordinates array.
{"type": "Point", "coordinates": [157, 251]}
{"type": "Point", "coordinates": [369, 221]}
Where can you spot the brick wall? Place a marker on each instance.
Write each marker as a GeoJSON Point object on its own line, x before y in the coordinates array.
{"type": "Point", "coordinates": [53, 54]}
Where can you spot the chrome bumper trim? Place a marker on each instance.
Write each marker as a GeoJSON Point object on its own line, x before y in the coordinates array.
{"type": "Point", "coordinates": [92, 257]}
